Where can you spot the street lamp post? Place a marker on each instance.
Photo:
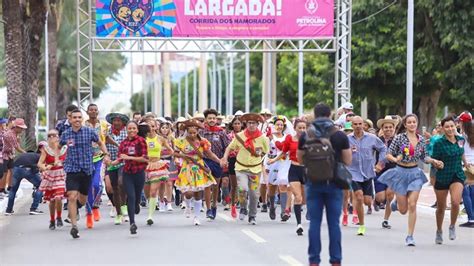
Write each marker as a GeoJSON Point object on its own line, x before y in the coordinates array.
{"type": "Point", "coordinates": [410, 33]}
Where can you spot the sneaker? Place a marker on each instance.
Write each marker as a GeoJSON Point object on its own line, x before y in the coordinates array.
{"type": "Point", "coordinates": [90, 221]}
{"type": "Point", "coordinates": [137, 209]}
{"type": "Point", "coordinates": [386, 225]}
{"type": "Point", "coordinates": [233, 211]}
{"type": "Point", "coordinates": [196, 221]}
{"type": "Point", "coordinates": [214, 213]}
{"type": "Point", "coordinates": [355, 220]}
{"type": "Point", "coordinates": [369, 211]}
{"type": "Point", "coordinates": [226, 207]}
{"type": "Point", "coordinates": [361, 230]}
{"type": "Point", "coordinates": [169, 207]}
{"type": "Point", "coordinates": [299, 230]}
{"type": "Point", "coordinates": [118, 220]}
{"type": "Point", "coordinates": [376, 206]}
{"type": "Point", "coordinates": [36, 212]}
{"type": "Point", "coordinates": [252, 220]}
{"type": "Point", "coordinates": [74, 232]}
{"type": "Point", "coordinates": [272, 213]}
{"type": "Point", "coordinates": [182, 206]}
{"type": "Point", "coordinates": [394, 206]}
{"type": "Point", "coordinates": [96, 214]}
{"type": "Point", "coordinates": [410, 241]}
{"type": "Point", "coordinates": [285, 216]}
{"type": "Point", "coordinates": [467, 224]}
{"type": "Point", "coordinates": [345, 218]}
{"type": "Point", "coordinates": [439, 238]}
{"type": "Point", "coordinates": [59, 222]}
{"type": "Point", "coordinates": [143, 204]}
{"type": "Point", "coordinates": [452, 232]}
{"type": "Point", "coordinates": [187, 212]}
{"type": "Point", "coordinates": [126, 219]}
{"type": "Point", "coordinates": [112, 213]}
{"type": "Point", "coordinates": [209, 214]}
{"type": "Point", "coordinates": [264, 208]}
{"type": "Point", "coordinates": [149, 221]}
{"type": "Point", "coordinates": [162, 206]}
{"type": "Point", "coordinates": [133, 229]}
{"type": "Point", "coordinates": [435, 205]}
{"type": "Point", "coordinates": [124, 210]}
{"type": "Point", "coordinates": [243, 214]}
{"type": "Point", "coordinates": [9, 213]}
{"type": "Point", "coordinates": [52, 225]}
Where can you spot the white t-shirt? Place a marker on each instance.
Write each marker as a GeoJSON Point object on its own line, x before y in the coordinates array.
{"type": "Point", "coordinates": [468, 152]}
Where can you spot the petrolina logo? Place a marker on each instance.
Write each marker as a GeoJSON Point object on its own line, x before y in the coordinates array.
{"type": "Point", "coordinates": [311, 6]}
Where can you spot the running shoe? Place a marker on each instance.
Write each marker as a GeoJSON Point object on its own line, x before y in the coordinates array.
{"type": "Point", "coordinates": [112, 212]}
{"type": "Point", "coordinates": [52, 225]}
{"type": "Point", "coordinates": [233, 211]}
{"type": "Point", "coordinates": [285, 215]}
{"type": "Point", "coordinates": [118, 220]}
{"type": "Point", "coordinates": [299, 230]}
{"type": "Point", "coordinates": [361, 230]}
{"type": "Point", "coordinates": [187, 212]}
{"type": "Point", "coordinates": [376, 206]}
{"type": "Point", "coordinates": [162, 206]}
{"type": "Point", "coordinates": [345, 219]}
{"type": "Point", "coordinates": [149, 221]}
{"type": "Point", "coordinates": [394, 206]}
{"type": "Point", "coordinates": [96, 214]}
{"type": "Point", "coordinates": [410, 241]}
{"type": "Point", "coordinates": [467, 224]}
{"type": "Point", "coordinates": [74, 232]}
{"type": "Point", "coordinates": [252, 220]}
{"type": "Point", "coordinates": [124, 210]}
{"type": "Point", "coordinates": [10, 213]}
{"type": "Point", "coordinates": [209, 214]}
{"type": "Point", "coordinates": [126, 219]}
{"type": "Point", "coordinates": [182, 206]}
{"type": "Point", "coordinates": [243, 214]}
{"type": "Point", "coordinates": [89, 221]}
{"type": "Point", "coordinates": [435, 205]}
{"type": "Point", "coordinates": [264, 208]}
{"type": "Point", "coordinates": [226, 207]}
{"type": "Point", "coordinates": [439, 237]}
{"type": "Point", "coordinates": [133, 229]}
{"type": "Point", "coordinates": [452, 232]}
{"type": "Point", "coordinates": [59, 222]}
{"type": "Point", "coordinates": [386, 225]}
{"type": "Point", "coordinates": [196, 221]}
{"type": "Point", "coordinates": [169, 207]}
{"type": "Point", "coordinates": [68, 220]}
{"type": "Point", "coordinates": [369, 211]}
{"type": "Point", "coordinates": [272, 213]}
{"type": "Point", "coordinates": [355, 219]}
{"type": "Point", "coordinates": [214, 213]}
{"type": "Point", "coordinates": [36, 212]}
{"type": "Point", "coordinates": [143, 204]}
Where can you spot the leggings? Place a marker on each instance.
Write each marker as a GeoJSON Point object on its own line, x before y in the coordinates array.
{"type": "Point", "coordinates": [133, 185]}
{"type": "Point", "coordinates": [95, 189]}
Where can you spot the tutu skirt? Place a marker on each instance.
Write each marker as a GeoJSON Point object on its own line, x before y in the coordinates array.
{"type": "Point", "coordinates": [402, 180]}
{"type": "Point", "coordinates": [278, 172]}
{"type": "Point", "coordinates": [157, 171]}
{"type": "Point", "coordinates": [53, 184]}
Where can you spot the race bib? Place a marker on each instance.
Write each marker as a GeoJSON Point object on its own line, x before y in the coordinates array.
{"type": "Point", "coordinates": [258, 151]}
{"type": "Point", "coordinates": [461, 143]}
{"type": "Point", "coordinates": [151, 145]}
{"type": "Point", "coordinates": [70, 143]}
{"type": "Point", "coordinates": [131, 150]}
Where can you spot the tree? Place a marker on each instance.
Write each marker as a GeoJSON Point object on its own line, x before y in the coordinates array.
{"type": "Point", "coordinates": [23, 32]}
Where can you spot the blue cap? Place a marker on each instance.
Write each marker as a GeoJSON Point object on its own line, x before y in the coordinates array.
{"type": "Point", "coordinates": [3, 121]}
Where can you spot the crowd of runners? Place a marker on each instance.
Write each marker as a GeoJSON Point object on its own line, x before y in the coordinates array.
{"type": "Point", "coordinates": [248, 163]}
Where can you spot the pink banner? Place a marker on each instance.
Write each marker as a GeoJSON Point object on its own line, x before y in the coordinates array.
{"type": "Point", "coordinates": [215, 18]}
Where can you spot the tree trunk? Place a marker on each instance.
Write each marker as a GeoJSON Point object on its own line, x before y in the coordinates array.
{"type": "Point", "coordinates": [427, 108]}
{"type": "Point", "coordinates": [53, 61]}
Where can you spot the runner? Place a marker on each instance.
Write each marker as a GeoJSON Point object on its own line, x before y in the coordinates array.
{"type": "Point", "coordinates": [194, 176]}
{"type": "Point", "coordinates": [251, 145]}
{"type": "Point", "coordinates": [53, 183]}
{"type": "Point", "coordinates": [235, 127]}
{"type": "Point", "coordinates": [406, 179]}
{"type": "Point", "coordinates": [296, 174]}
{"type": "Point", "coordinates": [157, 170]}
{"type": "Point", "coordinates": [363, 146]}
{"type": "Point", "coordinates": [468, 193]}
{"type": "Point", "coordinates": [450, 177]}
{"type": "Point", "coordinates": [116, 134]}
{"type": "Point", "coordinates": [133, 153]}
{"type": "Point", "coordinates": [219, 141]}
{"type": "Point", "coordinates": [383, 194]}
{"type": "Point", "coordinates": [166, 132]}
{"type": "Point", "coordinates": [95, 190]}
{"type": "Point", "coordinates": [79, 165]}
{"type": "Point", "coordinates": [278, 170]}
{"type": "Point", "coordinates": [10, 146]}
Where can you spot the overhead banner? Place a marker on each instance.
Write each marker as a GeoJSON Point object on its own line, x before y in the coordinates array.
{"type": "Point", "coordinates": [215, 18]}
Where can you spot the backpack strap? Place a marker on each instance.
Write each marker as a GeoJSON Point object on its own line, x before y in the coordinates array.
{"type": "Point", "coordinates": [239, 139]}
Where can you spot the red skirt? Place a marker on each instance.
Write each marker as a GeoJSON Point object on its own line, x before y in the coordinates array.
{"type": "Point", "coordinates": [53, 184]}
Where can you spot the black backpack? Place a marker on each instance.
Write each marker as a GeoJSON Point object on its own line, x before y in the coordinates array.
{"type": "Point", "coordinates": [319, 154]}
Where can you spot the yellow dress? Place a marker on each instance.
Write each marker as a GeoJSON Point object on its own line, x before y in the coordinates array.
{"type": "Point", "coordinates": [193, 178]}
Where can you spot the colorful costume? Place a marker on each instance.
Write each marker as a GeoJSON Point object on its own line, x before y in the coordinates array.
{"type": "Point", "coordinates": [157, 169]}
{"type": "Point", "coordinates": [53, 183]}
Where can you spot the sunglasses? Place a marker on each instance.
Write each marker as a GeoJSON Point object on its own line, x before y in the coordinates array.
{"type": "Point", "coordinates": [52, 135]}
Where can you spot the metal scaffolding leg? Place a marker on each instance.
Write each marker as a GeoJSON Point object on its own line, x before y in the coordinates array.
{"type": "Point", "coordinates": [84, 51]}
{"type": "Point", "coordinates": [342, 92]}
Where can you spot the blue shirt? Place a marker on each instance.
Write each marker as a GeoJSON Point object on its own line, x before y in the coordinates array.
{"type": "Point", "coordinates": [80, 151]}
{"type": "Point", "coordinates": [363, 156]}
{"type": "Point", "coordinates": [62, 125]}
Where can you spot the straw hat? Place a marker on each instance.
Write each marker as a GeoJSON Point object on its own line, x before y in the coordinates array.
{"type": "Point", "coordinates": [110, 117]}
{"type": "Point", "coordinates": [266, 111]}
{"type": "Point", "coordinates": [192, 123]}
{"type": "Point", "coordinates": [252, 117]}
{"type": "Point", "coordinates": [387, 119]}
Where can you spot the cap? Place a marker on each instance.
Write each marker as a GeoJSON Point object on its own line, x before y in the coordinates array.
{"type": "Point", "coordinates": [465, 117]}
{"type": "Point", "coordinates": [19, 122]}
{"type": "Point", "coordinates": [347, 105]}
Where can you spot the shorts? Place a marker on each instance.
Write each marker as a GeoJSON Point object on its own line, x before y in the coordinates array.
{"type": "Point", "coordinates": [366, 187]}
{"type": "Point", "coordinates": [78, 182]}
{"type": "Point", "coordinates": [216, 169]}
{"type": "Point", "coordinates": [7, 165]}
{"type": "Point", "coordinates": [440, 186]}
{"type": "Point", "coordinates": [379, 187]}
{"type": "Point", "coordinates": [231, 167]}
{"type": "Point", "coordinates": [296, 174]}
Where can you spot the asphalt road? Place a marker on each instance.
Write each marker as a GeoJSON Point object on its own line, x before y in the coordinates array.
{"type": "Point", "coordinates": [173, 240]}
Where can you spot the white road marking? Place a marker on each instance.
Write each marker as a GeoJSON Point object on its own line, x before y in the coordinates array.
{"type": "Point", "coordinates": [254, 236]}
{"type": "Point", "coordinates": [290, 260]}
{"type": "Point", "coordinates": [226, 218]}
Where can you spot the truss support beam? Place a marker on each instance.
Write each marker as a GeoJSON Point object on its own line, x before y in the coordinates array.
{"type": "Point", "coordinates": [84, 52]}
{"type": "Point", "coordinates": [342, 92]}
